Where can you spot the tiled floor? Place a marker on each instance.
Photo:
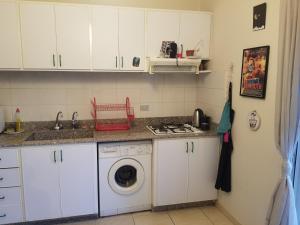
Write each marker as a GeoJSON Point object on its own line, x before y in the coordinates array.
{"type": "Point", "coordinates": [191, 216]}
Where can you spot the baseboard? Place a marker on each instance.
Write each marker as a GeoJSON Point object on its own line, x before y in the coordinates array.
{"type": "Point", "coordinates": [182, 206]}
{"type": "Point", "coordinates": [227, 214]}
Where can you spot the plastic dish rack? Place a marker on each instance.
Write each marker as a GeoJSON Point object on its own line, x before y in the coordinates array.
{"type": "Point", "coordinates": [128, 111]}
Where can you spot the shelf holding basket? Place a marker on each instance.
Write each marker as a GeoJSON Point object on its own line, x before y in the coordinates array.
{"type": "Point", "coordinates": [123, 125]}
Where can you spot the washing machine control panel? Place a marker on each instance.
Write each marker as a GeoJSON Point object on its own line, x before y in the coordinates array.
{"type": "Point", "coordinates": [118, 149]}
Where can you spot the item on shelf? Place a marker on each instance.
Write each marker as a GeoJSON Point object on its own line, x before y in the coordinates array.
{"type": "Point", "coordinates": [100, 126]}
{"type": "Point", "coordinates": [18, 120]}
{"type": "Point", "coordinates": [189, 53]}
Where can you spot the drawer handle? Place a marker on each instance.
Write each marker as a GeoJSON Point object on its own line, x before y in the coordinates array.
{"type": "Point", "coordinates": [2, 197]}
{"type": "Point", "coordinates": [3, 215]}
{"type": "Point", "coordinates": [1, 178]}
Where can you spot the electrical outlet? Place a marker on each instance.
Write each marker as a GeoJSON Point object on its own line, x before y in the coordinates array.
{"type": "Point", "coordinates": [144, 108]}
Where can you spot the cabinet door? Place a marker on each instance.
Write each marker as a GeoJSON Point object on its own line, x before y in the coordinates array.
{"type": "Point", "coordinates": [38, 35]}
{"type": "Point", "coordinates": [203, 164]}
{"type": "Point", "coordinates": [78, 179]}
{"type": "Point", "coordinates": [195, 32]}
{"type": "Point", "coordinates": [105, 49]}
{"type": "Point", "coordinates": [41, 183]}
{"type": "Point", "coordinates": [170, 172]}
{"type": "Point", "coordinates": [73, 36]}
{"type": "Point", "coordinates": [132, 38]}
{"type": "Point", "coordinates": [162, 26]}
{"type": "Point", "coordinates": [10, 41]}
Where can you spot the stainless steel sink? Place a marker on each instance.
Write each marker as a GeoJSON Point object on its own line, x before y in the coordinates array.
{"type": "Point", "coordinates": [60, 134]}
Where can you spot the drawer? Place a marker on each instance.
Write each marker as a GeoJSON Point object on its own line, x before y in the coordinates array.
{"type": "Point", "coordinates": [9, 177]}
{"type": "Point", "coordinates": [9, 158]}
{"type": "Point", "coordinates": [11, 214]}
{"type": "Point", "coordinates": [10, 196]}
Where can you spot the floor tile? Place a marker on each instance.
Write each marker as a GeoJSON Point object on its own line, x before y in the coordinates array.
{"type": "Point", "coordinates": [150, 218]}
{"type": "Point", "coordinates": [116, 220]}
{"type": "Point", "coordinates": [216, 216]}
{"type": "Point", "coordinates": [192, 216]}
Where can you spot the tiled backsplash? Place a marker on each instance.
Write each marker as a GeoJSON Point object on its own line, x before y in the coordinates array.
{"type": "Point", "coordinates": [40, 95]}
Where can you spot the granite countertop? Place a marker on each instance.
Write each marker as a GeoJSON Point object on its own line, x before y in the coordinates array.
{"type": "Point", "coordinates": [138, 131]}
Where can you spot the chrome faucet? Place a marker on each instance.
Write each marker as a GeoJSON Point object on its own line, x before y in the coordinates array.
{"type": "Point", "coordinates": [75, 124]}
{"type": "Point", "coordinates": [58, 123]}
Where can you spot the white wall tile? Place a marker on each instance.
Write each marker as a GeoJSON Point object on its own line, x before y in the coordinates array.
{"type": "Point", "coordinates": [173, 94]}
{"type": "Point", "coordinates": [5, 78]}
{"type": "Point", "coordinates": [5, 97]}
{"type": "Point", "coordinates": [43, 94]}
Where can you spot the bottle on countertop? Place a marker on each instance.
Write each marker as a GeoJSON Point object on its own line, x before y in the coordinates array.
{"type": "Point", "coordinates": [18, 120]}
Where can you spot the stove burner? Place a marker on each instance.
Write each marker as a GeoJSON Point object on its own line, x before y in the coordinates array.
{"type": "Point", "coordinates": [164, 129]}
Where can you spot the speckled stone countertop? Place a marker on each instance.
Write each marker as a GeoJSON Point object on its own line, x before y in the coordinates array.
{"type": "Point", "coordinates": [138, 131]}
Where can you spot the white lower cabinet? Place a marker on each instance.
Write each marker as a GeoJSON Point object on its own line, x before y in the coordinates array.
{"type": "Point", "coordinates": [59, 181]}
{"type": "Point", "coordinates": [184, 170]}
{"type": "Point", "coordinates": [11, 203]}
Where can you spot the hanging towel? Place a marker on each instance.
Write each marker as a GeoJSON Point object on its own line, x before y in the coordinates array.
{"type": "Point", "coordinates": [225, 122]}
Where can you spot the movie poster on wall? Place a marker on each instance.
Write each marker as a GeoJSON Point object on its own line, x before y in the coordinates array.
{"type": "Point", "coordinates": [254, 72]}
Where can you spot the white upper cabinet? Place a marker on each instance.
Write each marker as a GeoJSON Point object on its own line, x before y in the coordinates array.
{"type": "Point", "coordinates": [195, 32]}
{"type": "Point", "coordinates": [132, 38]}
{"type": "Point", "coordinates": [38, 35]}
{"type": "Point", "coordinates": [105, 49]}
{"type": "Point", "coordinates": [73, 36]}
{"type": "Point", "coordinates": [10, 41]}
{"type": "Point", "coordinates": [162, 25]}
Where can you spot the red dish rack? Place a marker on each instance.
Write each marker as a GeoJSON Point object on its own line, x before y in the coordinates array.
{"type": "Point", "coordinates": [129, 111]}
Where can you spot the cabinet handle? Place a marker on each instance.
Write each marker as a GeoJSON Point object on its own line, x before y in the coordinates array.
{"type": "Point", "coordinates": [187, 147]}
{"type": "Point", "coordinates": [116, 61]}
{"type": "Point", "coordinates": [122, 61]}
{"type": "Point", "coordinates": [55, 156]}
{"type": "Point", "coordinates": [61, 156]}
{"type": "Point", "coordinates": [2, 197]}
{"type": "Point", "coordinates": [60, 60]}
{"type": "Point", "coordinates": [192, 147]}
{"type": "Point", "coordinates": [53, 59]}
{"type": "Point", "coordinates": [3, 215]}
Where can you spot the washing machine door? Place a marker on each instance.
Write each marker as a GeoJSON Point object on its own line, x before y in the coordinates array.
{"type": "Point", "coordinates": [126, 176]}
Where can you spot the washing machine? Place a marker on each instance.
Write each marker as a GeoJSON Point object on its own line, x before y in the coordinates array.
{"type": "Point", "coordinates": [124, 177]}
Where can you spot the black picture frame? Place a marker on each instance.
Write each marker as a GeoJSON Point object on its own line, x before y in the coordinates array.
{"type": "Point", "coordinates": [259, 17]}
{"type": "Point", "coordinates": [254, 73]}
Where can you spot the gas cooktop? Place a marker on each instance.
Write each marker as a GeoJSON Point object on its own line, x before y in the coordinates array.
{"type": "Point", "coordinates": [167, 129]}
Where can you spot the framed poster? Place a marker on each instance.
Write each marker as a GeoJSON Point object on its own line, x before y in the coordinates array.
{"type": "Point", "coordinates": [259, 17]}
{"type": "Point", "coordinates": [254, 72]}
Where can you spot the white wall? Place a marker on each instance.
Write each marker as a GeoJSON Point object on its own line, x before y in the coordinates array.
{"type": "Point", "coordinates": [40, 95]}
{"type": "Point", "coordinates": [255, 162]}
{"type": "Point", "coordinates": [165, 4]}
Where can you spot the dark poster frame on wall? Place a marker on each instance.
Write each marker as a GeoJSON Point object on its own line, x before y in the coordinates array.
{"type": "Point", "coordinates": [254, 73]}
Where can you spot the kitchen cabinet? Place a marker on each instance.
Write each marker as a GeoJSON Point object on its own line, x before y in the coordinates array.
{"type": "Point", "coordinates": [10, 40]}
{"type": "Point", "coordinates": [59, 181]}
{"type": "Point", "coordinates": [132, 38]}
{"type": "Point", "coordinates": [73, 36]}
{"type": "Point", "coordinates": [105, 46]}
{"type": "Point", "coordinates": [203, 165]}
{"type": "Point", "coordinates": [55, 36]}
{"type": "Point", "coordinates": [118, 38]}
{"type": "Point", "coordinates": [171, 171]}
{"type": "Point", "coordinates": [38, 35]}
{"type": "Point", "coordinates": [11, 203]}
{"type": "Point", "coordinates": [184, 170]}
{"type": "Point", "coordinates": [162, 25]}
{"type": "Point", "coordinates": [195, 32]}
